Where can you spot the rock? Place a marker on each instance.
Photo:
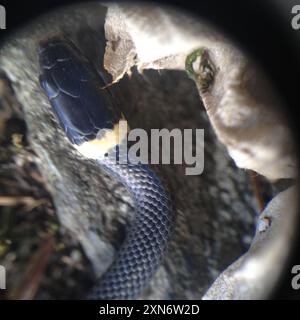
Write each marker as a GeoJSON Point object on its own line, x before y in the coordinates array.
{"type": "Point", "coordinates": [254, 275]}
{"type": "Point", "coordinates": [242, 107]}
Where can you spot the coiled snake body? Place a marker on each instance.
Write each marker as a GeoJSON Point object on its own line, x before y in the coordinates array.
{"type": "Point", "coordinates": [90, 119]}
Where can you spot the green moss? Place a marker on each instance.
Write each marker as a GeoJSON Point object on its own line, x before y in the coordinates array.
{"type": "Point", "coordinates": [204, 76]}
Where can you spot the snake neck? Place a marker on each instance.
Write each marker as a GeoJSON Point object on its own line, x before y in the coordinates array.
{"type": "Point", "coordinates": [146, 241]}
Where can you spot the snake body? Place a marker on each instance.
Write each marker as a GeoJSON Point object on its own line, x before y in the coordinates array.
{"type": "Point", "coordinates": [89, 117]}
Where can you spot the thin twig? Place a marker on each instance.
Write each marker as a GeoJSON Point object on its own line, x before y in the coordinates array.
{"type": "Point", "coordinates": [34, 273]}
{"type": "Point", "coordinates": [29, 202]}
{"type": "Point", "coordinates": [257, 190]}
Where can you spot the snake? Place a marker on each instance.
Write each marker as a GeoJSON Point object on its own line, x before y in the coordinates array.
{"type": "Point", "coordinates": [89, 116]}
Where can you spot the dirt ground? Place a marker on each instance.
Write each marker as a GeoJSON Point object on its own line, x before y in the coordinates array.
{"type": "Point", "coordinates": [41, 259]}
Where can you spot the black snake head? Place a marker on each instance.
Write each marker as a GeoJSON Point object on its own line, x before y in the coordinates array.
{"type": "Point", "coordinates": [84, 109]}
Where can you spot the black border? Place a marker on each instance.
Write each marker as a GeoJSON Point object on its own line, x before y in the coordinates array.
{"type": "Point", "coordinates": [259, 27]}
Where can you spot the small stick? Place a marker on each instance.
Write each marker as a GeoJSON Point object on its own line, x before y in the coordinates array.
{"type": "Point", "coordinates": [34, 273]}
{"type": "Point", "coordinates": [29, 202]}
{"type": "Point", "coordinates": [257, 190]}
